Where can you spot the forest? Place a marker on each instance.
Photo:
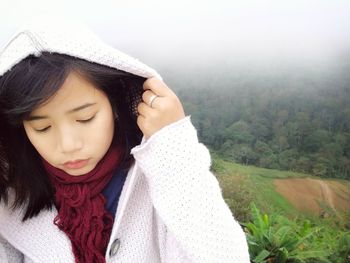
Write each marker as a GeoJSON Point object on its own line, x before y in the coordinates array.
{"type": "Point", "coordinates": [297, 120]}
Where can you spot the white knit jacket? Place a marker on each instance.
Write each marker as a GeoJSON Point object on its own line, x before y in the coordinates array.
{"type": "Point", "coordinates": [171, 207]}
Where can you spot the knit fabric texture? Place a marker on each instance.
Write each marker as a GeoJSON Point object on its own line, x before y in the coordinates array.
{"type": "Point", "coordinates": [71, 39]}
{"type": "Point", "coordinates": [171, 210]}
{"type": "Point", "coordinates": [171, 207]}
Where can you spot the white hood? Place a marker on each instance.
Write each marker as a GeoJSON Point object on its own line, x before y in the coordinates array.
{"type": "Point", "coordinates": [71, 39]}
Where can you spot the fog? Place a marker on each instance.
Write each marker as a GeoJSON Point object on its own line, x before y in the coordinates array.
{"type": "Point", "coordinates": [183, 36]}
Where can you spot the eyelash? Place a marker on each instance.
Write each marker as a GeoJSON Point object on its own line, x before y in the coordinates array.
{"type": "Point", "coordinates": [43, 130]}
{"type": "Point", "coordinates": [80, 121]}
{"type": "Point", "coordinates": [87, 120]}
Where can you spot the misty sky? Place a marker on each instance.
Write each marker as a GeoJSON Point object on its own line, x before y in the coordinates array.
{"type": "Point", "coordinates": [221, 31]}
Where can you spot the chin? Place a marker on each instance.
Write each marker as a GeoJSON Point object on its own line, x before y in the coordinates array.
{"type": "Point", "coordinates": [79, 172]}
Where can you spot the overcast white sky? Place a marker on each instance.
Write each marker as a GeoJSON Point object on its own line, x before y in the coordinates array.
{"type": "Point", "coordinates": [222, 29]}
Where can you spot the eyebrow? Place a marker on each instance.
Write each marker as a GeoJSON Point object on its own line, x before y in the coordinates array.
{"type": "Point", "coordinates": [40, 117]}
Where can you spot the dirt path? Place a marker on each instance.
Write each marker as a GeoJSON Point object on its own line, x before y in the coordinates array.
{"type": "Point", "coordinates": [327, 194]}
{"type": "Point", "coordinates": [308, 194]}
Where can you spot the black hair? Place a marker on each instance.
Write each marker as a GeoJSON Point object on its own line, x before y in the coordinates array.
{"type": "Point", "coordinates": [30, 83]}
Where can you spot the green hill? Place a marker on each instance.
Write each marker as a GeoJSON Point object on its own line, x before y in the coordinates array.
{"type": "Point", "coordinates": [287, 216]}
{"type": "Point", "coordinates": [289, 193]}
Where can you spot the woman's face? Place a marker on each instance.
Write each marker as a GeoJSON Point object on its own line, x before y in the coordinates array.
{"type": "Point", "coordinates": [74, 129]}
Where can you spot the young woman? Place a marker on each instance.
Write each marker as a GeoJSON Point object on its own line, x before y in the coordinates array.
{"type": "Point", "coordinates": [98, 162]}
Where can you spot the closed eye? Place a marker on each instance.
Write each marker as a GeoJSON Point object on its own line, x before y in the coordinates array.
{"type": "Point", "coordinates": [43, 130]}
{"type": "Point", "coordinates": [87, 120]}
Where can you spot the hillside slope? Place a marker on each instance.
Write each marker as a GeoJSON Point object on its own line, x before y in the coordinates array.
{"type": "Point", "coordinates": [284, 192]}
{"type": "Point", "coordinates": [310, 195]}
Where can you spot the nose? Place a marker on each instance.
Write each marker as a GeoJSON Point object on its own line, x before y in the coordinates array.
{"type": "Point", "coordinates": [69, 140]}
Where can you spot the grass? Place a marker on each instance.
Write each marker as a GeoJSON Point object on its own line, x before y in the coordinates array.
{"type": "Point", "coordinates": [257, 171]}
{"type": "Point", "coordinates": [267, 198]}
{"type": "Point", "coordinates": [244, 185]}
{"type": "Point", "coordinates": [258, 183]}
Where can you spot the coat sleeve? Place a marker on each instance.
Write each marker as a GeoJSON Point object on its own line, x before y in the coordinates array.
{"type": "Point", "coordinates": [188, 199]}
{"type": "Point", "coordinates": [8, 254]}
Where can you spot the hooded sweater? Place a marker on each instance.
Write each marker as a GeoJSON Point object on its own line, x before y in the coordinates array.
{"type": "Point", "coordinates": [170, 208]}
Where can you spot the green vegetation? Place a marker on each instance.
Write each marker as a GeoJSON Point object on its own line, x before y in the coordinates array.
{"type": "Point", "coordinates": [280, 123]}
{"type": "Point", "coordinates": [276, 231]}
{"type": "Point", "coordinates": [300, 125]}
{"type": "Point", "coordinates": [249, 183]}
{"type": "Point", "coordinates": [278, 239]}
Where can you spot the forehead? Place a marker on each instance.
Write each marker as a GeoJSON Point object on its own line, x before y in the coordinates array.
{"type": "Point", "coordinates": [75, 90]}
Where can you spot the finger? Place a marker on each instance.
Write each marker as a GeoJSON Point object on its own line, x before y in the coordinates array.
{"type": "Point", "coordinates": [143, 125]}
{"type": "Point", "coordinates": [146, 97]}
{"type": "Point", "coordinates": [140, 122]}
{"type": "Point", "coordinates": [157, 86]}
{"type": "Point", "coordinates": [143, 109]}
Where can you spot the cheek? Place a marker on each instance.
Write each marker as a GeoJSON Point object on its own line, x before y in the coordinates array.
{"type": "Point", "coordinates": [102, 134]}
{"type": "Point", "coordinates": [109, 129]}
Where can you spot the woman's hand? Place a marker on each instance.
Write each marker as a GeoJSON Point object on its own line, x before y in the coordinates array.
{"type": "Point", "coordinates": [160, 111]}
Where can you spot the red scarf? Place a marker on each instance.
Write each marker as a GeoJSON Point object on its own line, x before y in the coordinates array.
{"type": "Point", "coordinates": [81, 206]}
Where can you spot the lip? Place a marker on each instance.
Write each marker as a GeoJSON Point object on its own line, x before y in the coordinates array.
{"type": "Point", "coordinates": [76, 164]}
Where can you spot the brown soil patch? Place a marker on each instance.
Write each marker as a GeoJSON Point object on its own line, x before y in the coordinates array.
{"type": "Point", "coordinates": [306, 194]}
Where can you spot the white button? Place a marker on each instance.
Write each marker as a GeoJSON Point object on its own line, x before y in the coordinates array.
{"type": "Point", "coordinates": [114, 247]}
